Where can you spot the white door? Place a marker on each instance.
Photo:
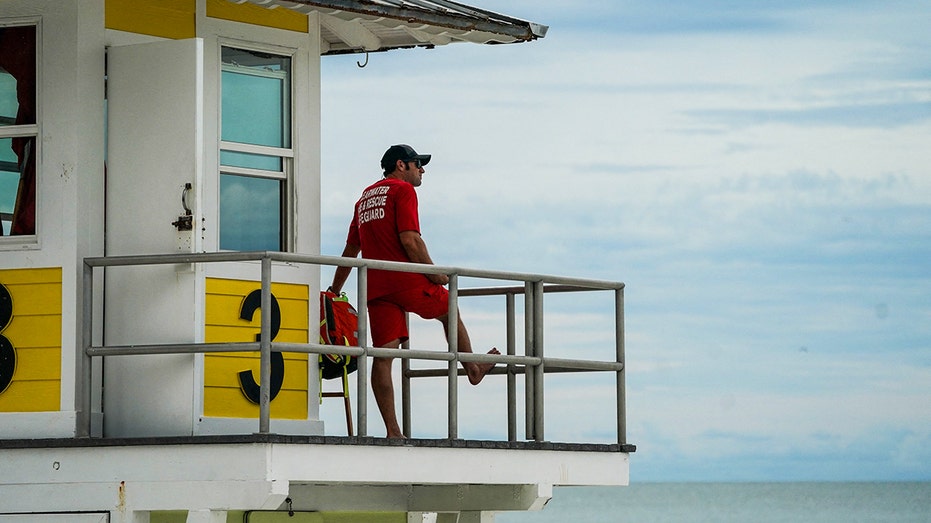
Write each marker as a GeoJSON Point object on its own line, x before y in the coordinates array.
{"type": "Point", "coordinates": [155, 146]}
{"type": "Point", "coordinates": [155, 149]}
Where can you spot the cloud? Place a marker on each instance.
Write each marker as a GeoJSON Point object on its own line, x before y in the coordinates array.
{"type": "Point", "coordinates": [760, 185]}
{"type": "Point", "coordinates": [889, 115]}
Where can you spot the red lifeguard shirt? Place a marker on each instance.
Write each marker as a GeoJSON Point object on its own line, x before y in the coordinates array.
{"type": "Point", "coordinates": [385, 210]}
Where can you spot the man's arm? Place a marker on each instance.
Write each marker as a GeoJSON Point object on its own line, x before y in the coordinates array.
{"type": "Point", "coordinates": [416, 250]}
{"type": "Point", "coordinates": [342, 273]}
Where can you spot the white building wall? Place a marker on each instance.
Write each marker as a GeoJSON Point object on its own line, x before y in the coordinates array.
{"type": "Point", "coordinates": [69, 178]}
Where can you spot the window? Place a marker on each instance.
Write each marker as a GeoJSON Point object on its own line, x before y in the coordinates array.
{"type": "Point", "coordinates": [18, 130]}
{"type": "Point", "coordinates": [255, 150]}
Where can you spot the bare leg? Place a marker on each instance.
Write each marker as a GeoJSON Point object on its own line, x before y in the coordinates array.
{"type": "Point", "coordinates": [383, 389]}
{"type": "Point", "coordinates": [475, 371]}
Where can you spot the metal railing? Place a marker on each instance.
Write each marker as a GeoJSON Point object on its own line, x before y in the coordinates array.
{"type": "Point", "coordinates": [533, 363]}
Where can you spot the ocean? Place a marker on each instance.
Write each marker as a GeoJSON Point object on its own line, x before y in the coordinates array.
{"type": "Point", "coordinates": [903, 502]}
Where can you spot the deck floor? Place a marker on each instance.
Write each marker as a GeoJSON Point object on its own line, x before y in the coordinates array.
{"type": "Point", "coordinates": [315, 440]}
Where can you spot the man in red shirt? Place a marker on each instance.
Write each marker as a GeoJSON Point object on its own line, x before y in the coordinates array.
{"type": "Point", "coordinates": [386, 226]}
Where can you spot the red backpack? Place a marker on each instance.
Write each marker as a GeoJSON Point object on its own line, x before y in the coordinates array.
{"type": "Point", "coordinates": [339, 324]}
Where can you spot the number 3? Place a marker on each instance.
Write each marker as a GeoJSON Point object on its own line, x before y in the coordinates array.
{"type": "Point", "coordinates": [7, 351]}
{"type": "Point", "coordinates": [250, 388]}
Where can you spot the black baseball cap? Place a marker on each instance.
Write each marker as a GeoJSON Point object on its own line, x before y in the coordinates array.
{"type": "Point", "coordinates": [402, 152]}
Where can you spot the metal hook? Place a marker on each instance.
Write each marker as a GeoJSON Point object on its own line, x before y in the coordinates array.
{"type": "Point", "coordinates": [360, 64]}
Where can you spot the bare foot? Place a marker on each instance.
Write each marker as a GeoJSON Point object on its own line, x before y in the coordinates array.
{"type": "Point", "coordinates": [480, 370]}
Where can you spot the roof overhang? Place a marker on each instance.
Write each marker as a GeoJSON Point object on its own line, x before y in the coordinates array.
{"type": "Point", "coordinates": [357, 26]}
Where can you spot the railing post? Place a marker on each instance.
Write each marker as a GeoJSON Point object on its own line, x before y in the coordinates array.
{"type": "Point", "coordinates": [406, 384]}
{"type": "Point", "coordinates": [528, 351]}
{"type": "Point", "coordinates": [511, 378]}
{"type": "Point", "coordinates": [538, 352]}
{"type": "Point", "coordinates": [84, 421]}
{"type": "Point", "coordinates": [621, 380]}
{"type": "Point", "coordinates": [363, 361]}
{"type": "Point", "coordinates": [265, 347]}
{"type": "Point", "coordinates": [452, 381]}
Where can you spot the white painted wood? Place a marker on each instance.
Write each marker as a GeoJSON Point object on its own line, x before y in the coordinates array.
{"type": "Point", "coordinates": [54, 518]}
{"type": "Point", "coordinates": [470, 466]}
{"type": "Point", "coordinates": [156, 146]}
{"type": "Point", "coordinates": [259, 476]}
{"type": "Point", "coordinates": [155, 94]}
{"type": "Point", "coordinates": [69, 177]}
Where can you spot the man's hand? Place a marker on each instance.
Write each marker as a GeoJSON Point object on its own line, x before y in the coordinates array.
{"type": "Point", "coordinates": [439, 279]}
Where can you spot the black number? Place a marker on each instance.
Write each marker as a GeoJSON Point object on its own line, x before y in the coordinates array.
{"type": "Point", "coordinates": [250, 388]}
{"type": "Point", "coordinates": [7, 351]}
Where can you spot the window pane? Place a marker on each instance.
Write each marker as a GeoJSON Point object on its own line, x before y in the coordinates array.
{"type": "Point", "coordinates": [256, 105]}
{"type": "Point", "coordinates": [250, 213]}
{"type": "Point", "coordinates": [17, 75]}
{"type": "Point", "coordinates": [9, 183]}
{"type": "Point", "coordinates": [251, 161]}
{"type": "Point", "coordinates": [17, 186]}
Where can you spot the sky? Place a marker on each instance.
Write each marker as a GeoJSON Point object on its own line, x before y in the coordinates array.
{"type": "Point", "coordinates": [757, 173]}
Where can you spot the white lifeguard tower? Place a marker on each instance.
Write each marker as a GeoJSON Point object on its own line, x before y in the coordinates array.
{"type": "Point", "coordinates": [160, 267]}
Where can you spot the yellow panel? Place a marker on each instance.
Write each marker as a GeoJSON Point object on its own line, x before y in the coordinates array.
{"type": "Point", "coordinates": [38, 364]}
{"type": "Point", "coordinates": [242, 287]}
{"type": "Point", "coordinates": [30, 276]}
{"type": "Point", "coordinates": [222, 394]}
{"type": "Point", "coordinates": [279, 18]}
{"type": "Point", "coordinates": [254, 356]}
{"type": "Point", "coordinates": [225, 309]}
{"type": "Point", "coordinates": [230, 403]}
{"type": "Point", "coordinates": [228, 369]}
{"type": "Point", "coordinates": [165, 18]}
{"type": "Point", "coordinates": [35, 298]}
{"type": "Point", "coordinates": [34, 331]}
{"type": "Point", "coordinates": [31, 396]}
{"type": "Point", "coordinates": [218, 334]}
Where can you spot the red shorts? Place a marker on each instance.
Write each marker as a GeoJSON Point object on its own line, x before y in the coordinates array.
{"type": "Point", "coordinates": [386, 314]}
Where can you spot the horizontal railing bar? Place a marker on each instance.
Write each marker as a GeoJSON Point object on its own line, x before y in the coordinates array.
{"type": "Point", "coordinates": [555, 364]}
{"type": "Point", "coordinates": [195, 348]}
{"type": "Point", "coordinates": [571, 365]}
{"type": "Point", "coordinates": [218, 257]}
{"type": "Point", "coordinates": [170, 348]}
{"type": "Point", "coordinates": [503, 291]}
{"type": "Point", "coordinates": [441, 269]}
{"type": "Point", "coordinates": [168, 259]}
{"type": "Point", "coordinates": [499, 358]}
{"type": "Point", "coordinates": [441, 373]}
{"type": "Point", "coordinates": [411, 354]}
{"type": "Point", "coordinates": [316, 348]}
{"type": "Point", "coordinates": [549, 364]}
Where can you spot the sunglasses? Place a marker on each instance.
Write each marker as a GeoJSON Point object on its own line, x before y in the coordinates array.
{"type": "Point", "coordinates": [417, 163]}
